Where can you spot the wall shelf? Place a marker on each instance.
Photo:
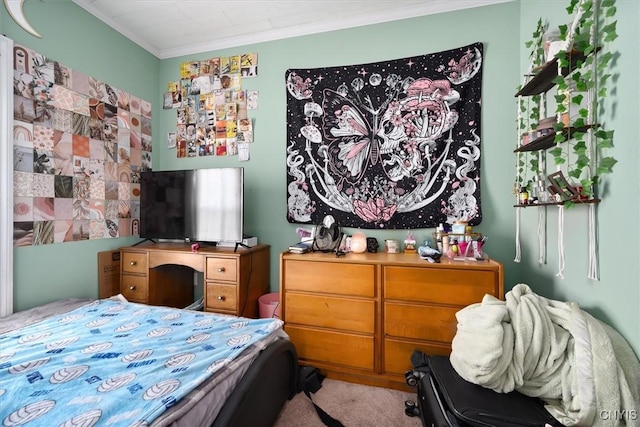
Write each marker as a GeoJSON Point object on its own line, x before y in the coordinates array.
{"type": "Point", "coordinates": [573, 80]}
{"type": "Point", "coordinates": [575, 202]}
{"type": "Point", "coordinates": [547, 141]}
{"type": "Point", "coordinates": [543, 79]}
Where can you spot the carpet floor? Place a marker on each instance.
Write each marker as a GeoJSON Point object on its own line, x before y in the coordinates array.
{"type": "Point", "coordinates": [354, 405]}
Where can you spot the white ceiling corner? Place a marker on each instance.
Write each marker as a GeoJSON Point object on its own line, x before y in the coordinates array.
{"type": "Point", "coordinates": [171, 28]}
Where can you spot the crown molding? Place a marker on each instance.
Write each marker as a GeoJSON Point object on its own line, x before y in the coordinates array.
{"type": "Point", "coordinates": [87, 5]}
{"type": "Point", "coordinates": [431, 7]}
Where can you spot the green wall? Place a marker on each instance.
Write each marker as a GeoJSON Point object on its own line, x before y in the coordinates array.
{"type": "Point", "coordinates": [615, 298]}
{"type": "Point", "coordinates": [49, 272]}
{"type": "Point", "coordinates": [266, 172]}
{"type": "Point", "coordinates": [73, 37]}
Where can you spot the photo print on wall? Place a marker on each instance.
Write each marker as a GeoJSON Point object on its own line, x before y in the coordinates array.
{"type": "Point", "coordinates": [79, 145]}
{"type": "Point", "coordinates": [211, 106]}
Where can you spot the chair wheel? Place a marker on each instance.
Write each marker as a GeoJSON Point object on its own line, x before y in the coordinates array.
{"type": "Point", "coordinates": [411, 379]}
{"type": "Point", "coordinates": [411, 409]}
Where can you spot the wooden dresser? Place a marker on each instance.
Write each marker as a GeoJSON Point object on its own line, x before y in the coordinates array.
{"type": "Point", "coordinates": [359, 317]}
{"type": "Point", "coordinates": [162, 274]}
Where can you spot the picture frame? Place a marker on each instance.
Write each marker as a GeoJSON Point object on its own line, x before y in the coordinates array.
{"type": "Point", "coordinates": [562, 187]}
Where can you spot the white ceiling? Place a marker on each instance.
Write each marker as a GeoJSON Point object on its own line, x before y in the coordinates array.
{"type": "Point", "coordinates": [170, 28]}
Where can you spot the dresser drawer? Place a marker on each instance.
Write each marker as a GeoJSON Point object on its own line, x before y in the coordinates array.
{"type": "Point", "coordinates": [134, 262]}
{"type": "Point", "coordinates": [134, 288]}
{"type": "Point", "coordinates": [439, 285]}
{"type": "Point", "coordinates": [423, 322]}
{"type": "Point", "coordinates": [222, 269]}
{"type": "Point", "coordinates": [330, 312]}
{"type": "Point", "coordinates": [338, 348]}
{"type": "Point", "coordinates": [334, 278]}
{"type": "Point", "coordinates": [397, 353]}
{"type": "Point", "coordinates": [221, 297]}
{"type": "Point", "coordinates": [360, 317]}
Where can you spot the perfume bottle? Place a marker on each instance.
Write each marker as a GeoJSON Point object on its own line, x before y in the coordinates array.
{"type": "Point", "coordinates": [409, 244]}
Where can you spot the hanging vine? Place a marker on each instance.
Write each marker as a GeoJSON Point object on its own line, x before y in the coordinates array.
{"type": "Point", "coordinates": [529, 112]}
{"type": "Point", "coordinates": [580, 93]}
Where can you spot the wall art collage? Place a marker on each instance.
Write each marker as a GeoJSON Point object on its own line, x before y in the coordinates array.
{"type": "Point", "coordinates": [211, 107]}
{"type": "Point", "coordinates": [79, 146]}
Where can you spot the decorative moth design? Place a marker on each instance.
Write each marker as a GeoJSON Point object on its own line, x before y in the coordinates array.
{"type": "Point", "coordinates": [381, 146]}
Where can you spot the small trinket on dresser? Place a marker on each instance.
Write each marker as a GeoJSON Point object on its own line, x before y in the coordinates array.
{"type": "Point", "coordinates": [392, 246]}
{"type": "Point", "coordinates": [410, 244]}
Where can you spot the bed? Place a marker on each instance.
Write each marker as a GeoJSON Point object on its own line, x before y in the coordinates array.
{"type": "Point", "coordinates": [112, 362]}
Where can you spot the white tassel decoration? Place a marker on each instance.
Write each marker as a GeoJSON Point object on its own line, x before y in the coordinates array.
{"type": "Point", "coordinates": [593, 245]}
{"type": "Point", "coordinates": [560, 241]}
{"type": "Point", "coordinates": [517, 257]}
{"type": "Point", "coordinates": [542, 235]}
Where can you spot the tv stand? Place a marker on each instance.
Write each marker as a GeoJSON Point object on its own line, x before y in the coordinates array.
{"type": "Point", "coordinates": [145, 240]}
{"type": "Point", "coordinates": [235, 249]}
{"type": "Point", "coordinates": [162, 274]}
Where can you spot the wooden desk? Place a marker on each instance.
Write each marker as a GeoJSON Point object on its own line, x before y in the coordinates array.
{"type": "Point", "coordinates": [162, 274]}
{"type": "Point", "coordinates": [359, 317]}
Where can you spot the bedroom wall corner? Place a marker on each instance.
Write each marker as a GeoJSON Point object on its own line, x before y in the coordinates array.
{"type": "Point", "coordinates": [70, 35]}
{"type": "Point", "coordinates": [6, 177]}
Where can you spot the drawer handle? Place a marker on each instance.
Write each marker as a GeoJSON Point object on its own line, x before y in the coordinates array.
{"type": "Point", "coordinates": [221, 298]}
{"type": "Point", "coordinates": [132, 263]}
{"type": "Point", "coordinates": [221, 270]}
{"type": "Point", "coordinates": [132, 288]}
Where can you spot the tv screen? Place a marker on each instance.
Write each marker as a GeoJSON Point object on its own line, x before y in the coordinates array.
{"type": "Point", "coordinates": [202, 205]}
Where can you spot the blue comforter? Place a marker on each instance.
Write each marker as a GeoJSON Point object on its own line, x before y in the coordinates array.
{"type": "Point", "coordinates": [115, 363]}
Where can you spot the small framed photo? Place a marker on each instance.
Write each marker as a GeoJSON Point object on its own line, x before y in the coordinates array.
{"type": "Point", "coordinates": [561, 187]}
{"type": "Point", "coordinates": [167, 103]}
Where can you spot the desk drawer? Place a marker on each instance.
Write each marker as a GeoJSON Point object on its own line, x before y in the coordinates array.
{"type": "Point", "coordinates": [134, 262]}
{"type": "Point", "coordinates": [221, 297]}
{"type": "Point", "coordinates": [134, 288]}
{"type": "Point", "coordinates": [222, 269]}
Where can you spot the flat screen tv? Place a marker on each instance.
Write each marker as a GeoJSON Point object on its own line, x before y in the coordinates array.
{"type": "Point", "coordinates": [199, 205]}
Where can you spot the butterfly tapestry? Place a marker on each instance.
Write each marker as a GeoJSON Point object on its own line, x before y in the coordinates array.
{"type": "Point", "coordinates": [386, 145]}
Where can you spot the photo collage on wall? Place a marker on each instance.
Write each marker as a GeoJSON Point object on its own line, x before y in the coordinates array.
{"type": "Point", "coordinates": [79, 145]}
{"type": "Point", "coordinates": [211, 107]}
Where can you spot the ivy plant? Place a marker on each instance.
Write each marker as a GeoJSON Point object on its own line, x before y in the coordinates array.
{"type": "Point", "coordinates": [529, 111]}
{"type": "Point", "coordinates": [580, 93]}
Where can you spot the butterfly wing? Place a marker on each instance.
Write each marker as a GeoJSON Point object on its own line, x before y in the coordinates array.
{"type": "Point", "coordinates": [344, 123]}
{"type": "Point", "coordinates": [353, 154]}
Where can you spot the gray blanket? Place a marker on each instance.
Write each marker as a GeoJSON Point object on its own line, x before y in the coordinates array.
{"type": "Point", "coordinates": [585, 371]}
